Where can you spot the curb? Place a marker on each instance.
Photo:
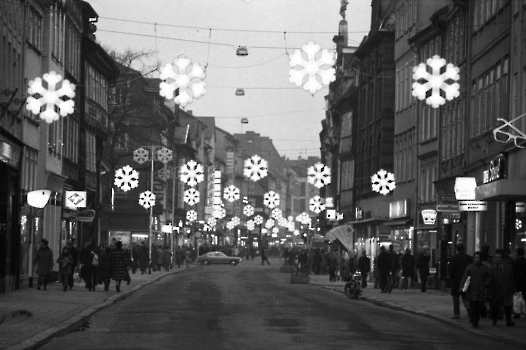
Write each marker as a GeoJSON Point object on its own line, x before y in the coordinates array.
{"type": "Point", "coordinates": [433, 317]}
{"type": "Point", "coordinates": [81, 319]}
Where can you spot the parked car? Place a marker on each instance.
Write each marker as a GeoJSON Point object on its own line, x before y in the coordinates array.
{"type": "Point", "coordinates": [218, 258]}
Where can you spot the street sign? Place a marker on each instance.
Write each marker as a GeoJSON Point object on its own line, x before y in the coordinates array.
{"type": "Point", "coordinates": [85, 216]}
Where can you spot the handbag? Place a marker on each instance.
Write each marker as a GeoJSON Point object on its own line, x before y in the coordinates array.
{"type": "Point", "coordinates": [519, 306]}
{"type": "Point", "coordinates": [465, 287]}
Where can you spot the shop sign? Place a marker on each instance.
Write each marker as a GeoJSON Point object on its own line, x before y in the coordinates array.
{"type": "Point", "coordinates": [496, 171]}
{"type": "Point", "coordinates": [472, 206]}
{"type": "Point", "coordinates": [85, 216]}
{"type": "Point", "coordinates": [358, 213]}
{"type": "Point", "coordinates": [447, 208]}
{"type": "Point", "coordinates": [75, 199]}
{"type": "Point", "coordinates": [429, 216]}
{"type": "Point", "coordinates": [465, 188]}
{"type": "Point", "coordinates": [6, 152]}
{"type": "Point", "coordinates": [329, 202]}
{"type": "Point", "coordinates": [398, 209]}
{"type": "Point", "coordinates": [331, 214]}
{"type": "Point", "coordinates": [38, 198]}
{"type": "Point", "coordinates": [520, 207]}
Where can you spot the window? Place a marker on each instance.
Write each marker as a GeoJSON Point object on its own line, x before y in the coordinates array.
{"type": "Point", "coordinates": [97, 87]}
{"type": "Point", "coordinates": [57, 33]}
{"type": "Point", "coordinates": [91, 151]}
{"type": "Point", "coordinates": [55, 137]}
{"type": "Point", "coordinates": [30, 169]}
{"type": "Point", "coordinates": [71, 138]}
{"type": "Point", "coordinates": [34, 28]}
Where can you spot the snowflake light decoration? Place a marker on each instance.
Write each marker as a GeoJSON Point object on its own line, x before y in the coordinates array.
{"type": "Point", "coordinates": [270, 223]}
{"type": "Point", "coordinates": [283, 222]}
{"type": "Point", "coordinates": [185, 76]}
{"type": "Point", "coordinates": [276, 213]}
{"type": "Point", "coordinates": [211, 222]}
{"type": "Point", "coordinates": [319, 175]}
{"type": "Point", "coordinates": [303, 218]}
{"type": "Point", "coordinates": [192, 173]}
{"type": "Point", "coordinates": [250, 225]}
{"type": "Point", "coordinates": [51, 97]}
{"type": "Point", "coordinates": [219, 213]}
{"type": "Point", "coordinates": [271, 199]}
{"type": "Point", "coordinates": [231, 193]}
{"type": "Point", "coordinates": [230, 225]}
{"type": "Point", "coordinates": [290, 226]}
{"type": "Point", "coordinates": [383, 182]}
{"type": "Point", "coordinates": [147, 199]}
{"type": "Point", "coordinates": [141, 155]}
{"type": "Point", "coordinates": [255, 168]}
{"type": "Point", "coordinates": [126, 178]}
{"type": "Point", "coordinates": [518, 224]}
{"type": "Point", "coordinates": [164, 155]}
{"type": "Point", "coordinates": [316, 204]}
{"type": "Point", "coordinates": [436, 81]}
{"type": "Point", "coordinates": [191, 215]}
{"type": "Point", "coordinates": [191, 196]}
{"type": "Point", "coordinates": [314, 70]}
{"type": "Point", "coordinates": [248, 210]}
{"type": "Point", "coordinates": [236, 221]}
{"type": "Point", "coordinates": [258, 219]}
{"type": "Point", "coordinates": [163, 174]}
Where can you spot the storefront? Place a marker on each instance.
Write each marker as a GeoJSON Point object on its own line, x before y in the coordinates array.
{"type": "Point", "coordinates": [400, 225]}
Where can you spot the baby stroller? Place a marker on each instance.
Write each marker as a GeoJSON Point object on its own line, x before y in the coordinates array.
{"type": "Point", "coordinates": [353, 288]}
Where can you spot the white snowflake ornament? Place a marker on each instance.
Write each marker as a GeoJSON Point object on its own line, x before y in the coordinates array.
{"type": "Point", "coordinates": [230, 225]}
{"type": "Point", "coordinates": [250, 225]}
{"type": "Point", "coordinates": [276, 213]}
{"type": "Point", "coordinates": [192, 173]}
{"type": "Point", "coordinates": [185, 76]}
{"type": "Point", "coordinates": [236, 221]}
{"type": "Point", "coordinates": [126, 178]}
{"type": "Point", "coordinates": [319, 175]}
{"type": "Point", "coordinates": [271, 199]}
{"type": "Point", "coordinates": [164, 155]}
{"type": "Point", "coordinates": [258, 219]}
{"type": "Point", "coordinates": [141, 155]}
{"type": "Point", "coordinates": [231, 193]}
{"type": "Point", "coordinates": [51, 98]}
{"type": "Point", "coordinates": [283, 222]}
{"type": "Point", "coordinates": [270, 223]}
{"type": "Point", "coordinates": [211, 222]}
{"type": "Point", "coordinates": [219, 213]}
{"type": "Point", "coordinates": [436, 81]}
{"type": "Point", "coordinates": [147, 199]}
{"type": "Point", "coordinates": [248, 210]}
{"type": "Point", "coordinates": [255, 168]}
{"type": "Point", "coordinates": [303, 218]}
{"type": "Point", "coordinates": [316, 204]}
{"type": "Point", "coordinates": [383, 182]}
{"type": "Point", "coordinates": [191, 215]}
{"type": "Point", "coordinates": [310, 68]}
{"type": "Point", "coordinates": [191, 196]}
{"type": "Point", "coordinates": [163, 174]}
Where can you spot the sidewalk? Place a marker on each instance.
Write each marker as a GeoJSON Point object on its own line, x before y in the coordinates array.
{"type": "Point", "coordinates": [30, 318]}
{"type": "Point", "coordinates": [434, 304]}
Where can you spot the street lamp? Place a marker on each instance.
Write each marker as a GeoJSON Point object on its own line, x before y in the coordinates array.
{"type": "Point", "coordinates": [141, 155]}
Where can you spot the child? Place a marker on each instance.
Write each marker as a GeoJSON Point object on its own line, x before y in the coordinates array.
{"type": "Point", "coordinates": [65, 261]}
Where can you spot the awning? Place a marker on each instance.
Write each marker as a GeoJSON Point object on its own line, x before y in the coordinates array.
{"type": "Point", "coordinates": [343, 233]}
{"type": "Point", "coordinates": [398, 223]}
{"type": "Point", "coordinates": [501, 190]}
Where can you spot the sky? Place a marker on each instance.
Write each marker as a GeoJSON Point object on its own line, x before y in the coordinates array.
{"type": "Point", "coordinates": [210, 31]}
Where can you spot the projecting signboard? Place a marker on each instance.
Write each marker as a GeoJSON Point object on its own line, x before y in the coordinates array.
{"type": "Point", "coordinates": [472, 206]}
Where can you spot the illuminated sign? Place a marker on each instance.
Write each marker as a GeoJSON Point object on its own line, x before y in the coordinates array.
{"type": "Point", "coordinates": [465, 188]}
{"type": "Point", "coordinates": [39, 198]}
{"type": "Point", "coordinates": [520, 207]}
{"type": "Point", "coordinates": [472, 206]}
{"type": "Point", "coordinates": [329, 202]}
{"type": "Point", "coordinates": [496, 171]}
{"type": "Point", "coordinates": [429, 216]}
{"type": "Point", "coordinates": [75, 199]}
{"type": "Point", "coordinates": [398, 209]}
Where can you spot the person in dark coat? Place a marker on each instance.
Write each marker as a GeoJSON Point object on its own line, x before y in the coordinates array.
{"type": "Point", "coordinates": [135, 258]}
{"type": "Point", "coordinates": [72, 247]}
{"type": "Point", "coordinates": [89, 264]}
{"type": "Point", "coordinates": [422, 265]}
{"type": "Point", "coordinates": [502, 288]}
{"type": "Point", "coordinates": [395, 266]}
{"type": "Point", "coordinates": [65, 261]}
{"type": "Point", "coordinates": [264, 257]}
{"type": "Point", "coordinates": [43, 263]}
{"type": "Point", "coordinates": [364, 265]}
{"type": "Point", "coordinates": [179, 256]}
{"type": "Point", "coordinates": [160, 258]}
{"type": "Point", "coordinates": [384, 269]}
{"type": "Point", "coordinates": [118, 266]}
{"type": "Point", "coordinates": [316, 261]}
{"type": "Point", "coordinates": [408, 269]}
{"type": "Point", "coordinates": [476, 294]}
{"type": "Point", "coordinates": [519, 274]}
{"type": "Point", "coordinates": [105, 268]}
{"type": "Point", "coordinates": [457, 267]}
{"type": "Point", "coordinates": [332, 264]}
{"type": "Point", "coordinates": [167, 258]}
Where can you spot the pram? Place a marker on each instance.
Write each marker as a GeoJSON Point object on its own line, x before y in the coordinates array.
{"type": "Point", "coordinates": [353, 288]}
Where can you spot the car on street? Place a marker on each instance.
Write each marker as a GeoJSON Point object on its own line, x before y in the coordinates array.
{"type": "Point", "coordinates": [218, 258]}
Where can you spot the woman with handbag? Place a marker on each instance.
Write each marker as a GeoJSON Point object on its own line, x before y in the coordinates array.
{"type": "Point", "coordinates": [479, 277]}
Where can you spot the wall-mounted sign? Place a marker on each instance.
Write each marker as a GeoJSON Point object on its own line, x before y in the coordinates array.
{"type": "Point", "coordinates": [85, 216]}
{"type": "Point", "coordinates": [331, 214]}
{"type": "Point", "coordinates": [329, 202]}
{"type": "Point", "coordinates": [447, 208]}
{"type": "Point", "coordinates": [6, 152]}
{"type": "Point", "coordinates": [429, 216]}
{"type": "Point", "coordinates": [520, 207]}
{"type": "Point", "coordinates": [358, 213]}
{"type": "Point", "coordinates": [75, 199]}
{"type": "Point", "coordinates": [472, 206]}
{"type": "Point", "coordinates": [496, 171]}
{"type": "Point", "coordinates": [39, 198]}
{"type": "Point", "coordinates": [399, 209]}
{"type": "Point", "coordinates": [465, 188]}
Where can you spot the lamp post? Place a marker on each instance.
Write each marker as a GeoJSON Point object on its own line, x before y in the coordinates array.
{"type": "Point", "coordinates": [141, 155]}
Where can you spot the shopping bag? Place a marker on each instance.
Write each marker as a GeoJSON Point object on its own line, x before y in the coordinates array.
{"type": "Point", "coordinates": [465, 287]}
{"type": "Point", "coordinates": [519, 306]}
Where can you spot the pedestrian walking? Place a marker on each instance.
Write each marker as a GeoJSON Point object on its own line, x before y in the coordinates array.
{"type": "Point", "coordinates": [476, 293]}
{"type": "Point", "coordinates": [395, 266]}
{"type": "Point", "coordinates": [264, 257]}
{"type": "Point", "coordinates": [167, 258]}
{"type": "Point", "coordinates": [332, 264]}
{"type": "Point", "coordinates": [179, 256]}
{"type": "Point", "coordinates": [155, 256]}
{"type": "Point", "coordinates": [65, 262]}
{"type": "Point", "coordinates": [160, 258]}
{"type": "Point", "coordinates": [457, 267]}
{"type": "Point", "coordinates": [43, 263]}
{"type": "Point", "coordinates": [376, 274]}
{"type": "Point", "coordinates": [422, 266]}
{"type": "Point", "coordinates": [384, 269]}
{"type": "Point", "coordinates": [136, 256]}
{"type": "Point", "coordinates": [187, 257]}
{"type": "Point", "coordinates": [364, 265]}
{"type": "Point", "coordinates": [119, 271]}
{"type": "Point", "coordinates": [519, 274]}
{"type": "Point", "coordinates": [316, 261]}
{"type": "Point", "coordinates": [502, 287]}
{"type": "Point", "coordinates": [408, 269]}
{"type": "Point", "coordinates": [105, 268]}
{"type": "Point", "coordinates": [89, 260]}
{"type": "Point", "coordinates": [72, 248]}
{"type": "Point", "coordinates": [144, 258]}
